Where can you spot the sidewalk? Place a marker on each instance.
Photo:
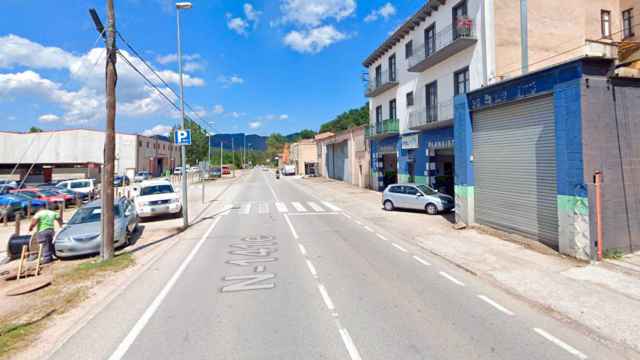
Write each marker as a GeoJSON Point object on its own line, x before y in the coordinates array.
{"type": "Point", "coordinates": [603, 299]}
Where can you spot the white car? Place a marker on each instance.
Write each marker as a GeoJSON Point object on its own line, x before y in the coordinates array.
{"type": "Point", "coordinates": [83, 186]}
{"type": "Point", "coordinates": [157, 197]}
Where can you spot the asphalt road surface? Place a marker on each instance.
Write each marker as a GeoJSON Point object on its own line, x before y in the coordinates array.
{"type": "Point", "coordinates": [276, 273]}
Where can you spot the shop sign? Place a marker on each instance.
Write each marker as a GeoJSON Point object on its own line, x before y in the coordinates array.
{"type": "Point", "coordinates": [442, 144]}
{"type": "Point", "coordinates": [410, 142]}
{"type": "Point", "coordinates": [387, 149]}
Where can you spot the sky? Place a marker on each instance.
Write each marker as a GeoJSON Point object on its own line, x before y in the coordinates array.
{"type": "Point", "coordinates": [250, 66]}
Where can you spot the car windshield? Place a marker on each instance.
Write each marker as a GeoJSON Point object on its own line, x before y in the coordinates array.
{"type": "Point", "coordinates": [87, 215]}
{"type": "Point", "coordinates": [426, 190]}
{"type": "Point", "coordinates": [156, 189]}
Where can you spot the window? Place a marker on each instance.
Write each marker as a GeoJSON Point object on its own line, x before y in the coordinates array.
{"type": "Point", "coordinates": [396, 190]}
{"type": "Point", "coordinates": [431, 99]}
{"type": "Point", "coordinates": [378, 75]}
{"type": "Point", "coordinates": [605, 20]}
{"type": "Point", "coordinates": [378, 116]}
{"type": "Point", "coordinates": [408, 49]}
{"type": "Point", "coordinates": [430, 40]}
{"type": "Point", "coordinates": [459, 12]}
{"type": "Point", "coordinates": [392, 109]}
{"type": "Point", "coordinates": [461, 81]}
{"type": "Point", "coordinates": [410, 98]}
{"type": "Point", "coordinates": [410, 190]}
{"type": "Point", "coordinates": [392, 68]}
{"type": "Point", "coordinates": [627, 23]}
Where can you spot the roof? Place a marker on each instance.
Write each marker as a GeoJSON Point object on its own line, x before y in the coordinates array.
{"type": "Point", "coordinates": [404, 30]}
{"type": "Point", "coordinates": [324, 135]}
{"type": "Point", "coordinates": [154, 182]}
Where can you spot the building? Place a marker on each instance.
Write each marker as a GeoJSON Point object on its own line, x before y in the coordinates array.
{"type": "Point", "coordinates": [528, 152]}
{"type": "Point", "coordinates": [345, 156]}
{"type": "Point", "coordinates": [448, 48]}
{"type": "Point", "coordinates": [78, 153]}
{"type": "Point", "coordinates": [304, 155]}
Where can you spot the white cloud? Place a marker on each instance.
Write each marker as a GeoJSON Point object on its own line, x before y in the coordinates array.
{"type": "Point", "coordinates": [251, 13]}
{"type": "Point", "coordinates": [18, 51]}
{"type": "Point", "coordinates": [255, 124]}
{"type": "Point", "coordinates": [167, 59]}
{"type": "Point", "coordinates": [218, 109]}
{"type": "Point", "coordinates": [235, 114]}
{"type": "Point", "coordinates": [313, 12]}
{"type": "Point", "coordinates": [386, 11]}
{"type": "Point", "coordinates": [241, 25]}
{"type": "Point", "coordinates": [191, 62]}
{"type": "Point", "coordinates": [238, 24]}
{"type": "Point", "coordinates": [48, 118]}
{"type": "Point", "coordinates": [160, 129]}
{"type": "Point", "coordinates": [228, 81]}
{"type": "Point", "coordinates": [284, 117]}
{"type": "Point", "coordinates": [314, 40]}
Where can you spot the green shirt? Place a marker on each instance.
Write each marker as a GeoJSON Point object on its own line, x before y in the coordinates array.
{"type": "Point", "coordinates": [45, 219]}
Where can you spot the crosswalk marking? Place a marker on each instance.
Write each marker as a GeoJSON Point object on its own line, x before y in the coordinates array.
{"type": "Point", "coordinates": [331, 206]}
{"type": "Point", "coordinates": [263, 208]}
{"type": "Point", "coordinates": [298, 206]}
{"type": "Point", "coordinates": [282, 207]}
{"type": "Point", "coordinates": [246, 208]}
{"type": "Point", "coordinates": [315, 206]}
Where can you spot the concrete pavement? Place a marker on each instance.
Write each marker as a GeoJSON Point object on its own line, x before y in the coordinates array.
{"type": "Point", "coordinates": [272, 272]}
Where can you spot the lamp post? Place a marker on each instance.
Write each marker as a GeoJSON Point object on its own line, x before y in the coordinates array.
{"type": "Point", "coordinates": [185, 212]}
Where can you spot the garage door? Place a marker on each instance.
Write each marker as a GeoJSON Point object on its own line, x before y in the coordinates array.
{"type": "Point", "coordinates": [515, 168]}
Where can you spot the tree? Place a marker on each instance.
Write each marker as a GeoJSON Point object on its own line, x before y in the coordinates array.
{"type": "Point", "coordinates": [275, 143]}
{"type": "Point", "coordinates": [348, 119]}
{"type": "Point", "coordinates": [35, 129]}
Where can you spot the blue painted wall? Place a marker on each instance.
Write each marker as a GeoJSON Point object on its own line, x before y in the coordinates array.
{"type": "Point", "coordinates": [424, 138]}
{"type": "Point", "coordinates": [464, 142]}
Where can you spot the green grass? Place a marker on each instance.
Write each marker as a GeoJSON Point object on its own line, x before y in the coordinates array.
{"type": "Point", "coordinates": [613, 254]}
{"type": "Point", "coordinates": [96, 267]}
{"type": "Point", "coordinates": [14, 336]}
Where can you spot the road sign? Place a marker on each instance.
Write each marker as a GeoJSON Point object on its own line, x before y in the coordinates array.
{"type": "Point", "coordinates": [183, 137]}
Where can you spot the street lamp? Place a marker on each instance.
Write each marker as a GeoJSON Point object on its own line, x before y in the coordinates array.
{"type": "Point", "coordinates": [185, 212]}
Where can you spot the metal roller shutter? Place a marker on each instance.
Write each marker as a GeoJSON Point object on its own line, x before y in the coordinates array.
{"type": "Point", "coordinates": [515, 168]}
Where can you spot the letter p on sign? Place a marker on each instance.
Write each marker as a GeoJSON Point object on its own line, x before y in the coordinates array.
{"type": "Point", "coordinates": [183, 137]}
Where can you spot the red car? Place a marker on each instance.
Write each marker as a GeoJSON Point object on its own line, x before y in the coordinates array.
{"type": "Point", "coordinates": [49, 197]}
{"type": "Point", "coordinates": [226, 170]}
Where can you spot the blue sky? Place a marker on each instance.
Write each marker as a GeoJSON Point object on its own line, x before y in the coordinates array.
{"type": "Point", "coordinates": [254, 66]}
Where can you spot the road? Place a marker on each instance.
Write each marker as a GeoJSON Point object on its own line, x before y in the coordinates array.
{"type": "Point", "coordinates": [275, 273]}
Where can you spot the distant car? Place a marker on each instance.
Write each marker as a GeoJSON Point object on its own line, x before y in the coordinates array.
{"type": "Point", "coordinates": [81, 235]}
{"type": "Point", "coordinates": [215, 172]}
{"type": "Point", "coordinates": [288, 170]}
{"type": "Point", "coordinates": [157, 197]}
{"type": "Point", "coordinates": [417, 197]}
{"type": "Point", "coordinates": [68, 198]}
{"type": "Point", "coordinates": [9, 206]}
{"type": "Point", "coordinates": [36, 204]}
{"type": "Point", "coordinates": [194, 169]}
{"type": "Point", "coordinates": [85, 186]}
{"type": "Point", "coordinates": [11, 183]}
{"type": "Point", "coordinates": [226, 170]}
{"type": "Point", "coordinates": [142, 176]}
{"type": "Point", "coordinates": [54, 200]}
{"type": "Point", "coordinates": [177, 170]}
{"type": "Point", "coordinates": [120, 181]}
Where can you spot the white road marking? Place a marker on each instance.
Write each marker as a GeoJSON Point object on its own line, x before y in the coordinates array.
{"type": "Point", "coordinates": [358, 222]}
{"type": "Point", "coordinates": [282, 207]}
{"type": "Point", "coordinates": [293, 231]}
{"type": "Point", "coordinates": [421, 261]}
{"type": "Point", "coordinates": [246, 209]}
{"type": "Point", "coordinates": [331, 206]}
{"type": "Point", "coordinates": [381, 237]}
{"type": "Point", "coordinates": [399, 247]}
{"type": "Point", "coordinates": [315, 206]}
{"type": "Point", "coordinates": [560, 343]}
{"type": "Point", "coordinates": [346, 215]}
{"type": "Point", "coordinates": [302, 249]}
{"type": "Point", "coordinates": [148, 313]}
{"type": "Point", "coordinates": [270, 188]}
{"type": "Point", "coordinates": [348, 342]}
{"type": "Point", "coordinates": [263, 208]}
{"type": "Point", "coordinates": [368, 228]}
{"type": "Point", "coordinates": [496, 305]}
{"type": "Point", "coordinates": [451, 278]}
{"type": "Point", "coordinates": [298, 206]}
{"type": "Point", "coordinates": [312, 269]}
{"type": "Point", "coordinates": [325, 297]}
{"type": "Point", "coordinates": [313, 213]}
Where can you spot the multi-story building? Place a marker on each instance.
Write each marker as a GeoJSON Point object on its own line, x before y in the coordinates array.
{"type": "Point", "coordinates": [304, 155]}
{"type": "Point", "coordinates": [448, 48]}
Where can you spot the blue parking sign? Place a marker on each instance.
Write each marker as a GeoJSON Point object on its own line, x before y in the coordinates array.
{"type": "Point", "coordinates": [183, 137]}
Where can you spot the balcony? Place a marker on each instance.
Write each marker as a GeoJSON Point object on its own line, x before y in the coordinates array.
{"type": "Point", "coordinates": [387, 128]}
{"type": "Point", "coordinates": [448, 42]}
{"type": "Point", "coordinates": [380, 83]}
{"type": "Point", "coordinates": [433, 117]}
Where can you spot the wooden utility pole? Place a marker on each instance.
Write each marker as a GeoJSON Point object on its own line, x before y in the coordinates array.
{"type": "Point", "coordinates": [110, 137]}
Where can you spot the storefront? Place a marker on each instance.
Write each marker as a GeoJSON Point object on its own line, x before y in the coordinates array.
{"type": "Point", "coordinates": [384, 162]}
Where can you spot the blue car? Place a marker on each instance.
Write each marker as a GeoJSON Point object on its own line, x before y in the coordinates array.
{"type": "Point", "coordinates": [36, 204]}
{"type": "Point", "coordinates": [9, 206]}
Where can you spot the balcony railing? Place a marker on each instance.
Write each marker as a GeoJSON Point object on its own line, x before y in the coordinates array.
{"type": "Point", "coordinates": [449, 41]}
{"type": "Point", "coordinates": [426, 117]}
{"type": "Point", "coordinates": [381, 82]}
{"type": "Point", "coordinates": [386, 128]}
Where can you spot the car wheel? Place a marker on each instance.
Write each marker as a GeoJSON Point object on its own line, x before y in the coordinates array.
{"type": "Point", "coordinates": [388, 205]}
{"type": "Point", "coordinates": [431, 209]}
{"type": "Point", "coordinates": [178, 215]}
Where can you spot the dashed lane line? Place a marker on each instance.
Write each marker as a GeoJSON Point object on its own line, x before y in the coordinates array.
{"type": "Point", "coordinates": [302, 249]}
{"type": "Point", "coordinates": [325, 297]}
{"type": "Point", "coordinates": [348, 342]}
{"type": "Point", "coordinates": [312, 269]}
{"type": "Point", "coordinates": [421, 260]}
{"type": "Point", "coordinates": [368, 228]}
{"type": "Point", "coordinates": [570, 349]}
{"type": "Point", "coordinates": [399, 247]}
{"type": "Point", "coordinates": [381, 237]}
{"type": "Point", "coordinates": [293, 231]}
{"type": "Point", "coordinates": [496, 305]}
{"type": "Point", "coordinates": [451, 278]}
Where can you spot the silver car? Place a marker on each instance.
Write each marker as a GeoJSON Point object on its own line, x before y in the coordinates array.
{"type": "Point", "coordinates": [417, 197]}
{"type": "Point", "coordinates": [81, 235]}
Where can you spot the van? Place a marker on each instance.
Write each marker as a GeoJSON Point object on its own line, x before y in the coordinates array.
{"type": "Point", "coordinates": [83, 186]}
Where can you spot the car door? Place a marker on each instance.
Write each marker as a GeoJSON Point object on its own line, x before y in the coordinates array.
{"type": "Point", "coordinates": [130, 214]}
{"type": "Point", "coordinates": [396, 195]}
{"type": "Point", "coordinates": [414, 198]}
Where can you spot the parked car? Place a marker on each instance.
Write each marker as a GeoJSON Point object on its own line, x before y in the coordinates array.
{"type": "Point", "coordinates": [226, 170]}
{"type": "Point", "coordinates": [120, 181]}
{"type": "Point", "coordinates": [194, 169]}
{"type": "Point", "coordinates": [36, 204]}
{"type": "Point", "coordinates": [157, 197]}
{"type": "Point", "coordinates": [69, 198]}
{"type": "Point", "coordinates": [52, 199]}
{"type": "Point", "coordinates": [81, 235]}
{"type": "Point", "coordinates": [213, 173]}
{"type": "Point", "coordinates": [288, 170]}
{"type": "Point", "coordinates": [11, 183]}
{"type": "Point", "coordinates": [9, 206]}
{"type": "Point", "coordinates": [417, 197]}
{"type": "Point", "coordinates": [142, 176]}
{"type": "Point", "coordinates": [177, 170]}
{"type": "Point", "coordinates": [85, 186]}
{"type": "Point", "coordinates": [7, 188]}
